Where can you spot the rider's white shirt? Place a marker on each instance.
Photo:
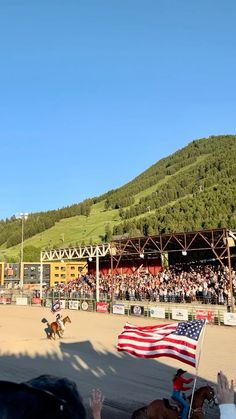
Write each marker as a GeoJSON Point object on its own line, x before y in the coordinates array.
{"type": "Point", "coordinates": [227, 411]}
{"type": "Point", "coordinates": [60, 322]}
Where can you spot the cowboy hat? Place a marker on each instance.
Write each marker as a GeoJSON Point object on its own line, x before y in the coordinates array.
{"type": "Point", "coordinates": [180, 372]}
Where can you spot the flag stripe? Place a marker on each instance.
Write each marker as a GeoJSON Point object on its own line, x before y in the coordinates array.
{"type": "Point", "coordinates": [177, 340]}
{"type": "Point", "coordinates": [158, 349]}
{"type": "Point", "coordinates": [150, 335]}
{"type": "Point", "coordinates": [151, 328]}
{"type": "Point", "coordinates": [185, 360]}
{"type": "Point", "coordinates": [152, 345]}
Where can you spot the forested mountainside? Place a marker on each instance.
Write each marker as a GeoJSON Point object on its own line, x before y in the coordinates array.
{"type": "Point", "coordinates": [194, 188]}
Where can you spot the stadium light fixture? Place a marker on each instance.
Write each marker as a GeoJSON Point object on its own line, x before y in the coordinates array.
{"type": "Point", "coordinates": [231, 234]}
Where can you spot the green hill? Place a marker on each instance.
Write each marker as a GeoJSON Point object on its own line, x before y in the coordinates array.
{"type": "Point", "coordinates": [194, 188]}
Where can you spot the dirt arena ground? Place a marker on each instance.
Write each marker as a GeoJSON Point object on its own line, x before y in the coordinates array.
{"type": "Point", "coordinates": [87, 354]}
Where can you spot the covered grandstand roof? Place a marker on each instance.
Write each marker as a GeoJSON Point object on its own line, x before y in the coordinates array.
{"type": "Point", "coordinates": [215, 242]}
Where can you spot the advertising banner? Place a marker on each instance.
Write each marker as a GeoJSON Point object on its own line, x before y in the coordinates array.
{"type": "Point", "coordinates": [73, 305]}
{"type": "Point", "coordinates": [158, 312]}
{"type": "Point", "coordinates": [84, 306]}
{"type": "Point", "coordinates": [36, 300]}
{"type": "Point", "coordinates": [21, 301]}
{"type": "Point", "coordinates": [230, 319]}
{"type": "Point", "coordinates": [137, 310]}
{"type": "Point", "coordinates": [118, 309]}
{"type": "Point", "coordinates": [63, 303]}
{"type": "Point", "coordinates": [179, 314]}
{"type": "Point", "coordinates": [48, 303]}
{"type": "Point", "coordinates": [5, 300]}
{"type": "Point", "coordinates": [208, 315]}
{"type": "Point", "coordinates": [102, 307]}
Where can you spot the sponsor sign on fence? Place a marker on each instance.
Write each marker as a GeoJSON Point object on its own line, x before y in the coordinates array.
{"type": "Point", "coordinates": [48, 303]}
{"type": "Point", "coordinates": [157, 312]}
{"type": "Point", "coordinates": [230, 319]}
{"type": "Point", "coordinates": [137, 310]}
{"type": "Point", "coordinates": [5, 300]}
{"type": "Point", "coordinates": [179, 314]}
{"type": "Point", "coordinates": [36, 300]}
{"type": "Point", "coordinates": [84, 306]}
{"type": "Point", "coordinates": [118, 309]}
{"type": "Point", "coordinates": [21, 301]}
{"type": "Point", "coordinates": [102, 307]}
{"type": "Point", "coordinates": [208, 315]}
{"type": "Point", "coordinates": [63, 303]}
{"type": "Point", "coordinates": [73, 305]}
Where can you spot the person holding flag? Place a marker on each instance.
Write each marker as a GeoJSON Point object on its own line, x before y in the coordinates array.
{"type": "Point", "coordinates": [174, 340]}
{"type": "Point", "coordinates": [178, 386]}
{"type": "Point", "coordinates": [56, 306]}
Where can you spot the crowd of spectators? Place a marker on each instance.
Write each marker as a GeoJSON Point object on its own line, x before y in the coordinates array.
{"type": "Point", "coordinates": [51, 396]}
{"type": "Point", "coordinates": [206, 284]}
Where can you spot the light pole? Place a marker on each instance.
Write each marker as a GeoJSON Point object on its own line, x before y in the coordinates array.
{"type": "Point", "coordinates": [97, 275]}
{"type": "Point", "coordinates": [22, 216]}
{"type": "Point", "coordinates": [230, 272]}
{"type": "Point", "coordinates": [41, 276]}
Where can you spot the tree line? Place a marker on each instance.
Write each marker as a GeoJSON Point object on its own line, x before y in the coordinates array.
{"type": "Point", "coordinates": [192, 189]}
{"type": "Point", "coordinates": [10, 229]}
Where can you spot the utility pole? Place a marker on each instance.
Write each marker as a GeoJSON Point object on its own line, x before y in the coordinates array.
{"type": "Point", "coordinates": [22, 216]}
{"type": "Point", "coordinates": [230, 273]}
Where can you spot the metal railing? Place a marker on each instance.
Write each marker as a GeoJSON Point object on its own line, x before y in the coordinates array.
{"type": "Point", "coordinates": [76, 301]}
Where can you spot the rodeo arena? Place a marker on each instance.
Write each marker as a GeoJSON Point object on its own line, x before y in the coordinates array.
{"type": "Point", "coordinates": [118, 330]}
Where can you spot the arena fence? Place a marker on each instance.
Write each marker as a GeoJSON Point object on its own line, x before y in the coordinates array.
{"type": "Point", "coordinates": [214, 314]}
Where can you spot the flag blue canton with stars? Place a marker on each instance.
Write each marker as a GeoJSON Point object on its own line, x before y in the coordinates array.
{"type": "Point", "coordinates": [56, 306]}
{"type": "Point", "coordinates": [190, 329]}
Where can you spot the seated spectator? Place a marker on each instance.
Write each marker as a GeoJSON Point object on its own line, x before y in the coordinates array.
{"type": "Point", "coordinates": [225, 396]}
{"type": "Point", "coordinates": [46, 397]}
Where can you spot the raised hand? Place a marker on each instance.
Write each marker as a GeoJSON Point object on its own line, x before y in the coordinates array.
{"type": "Point", "coordinates": [96, 402]}
{"type": "Point", "coordinates": [224, 390]}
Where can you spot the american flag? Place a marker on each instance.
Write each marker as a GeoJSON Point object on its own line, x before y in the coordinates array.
{"type": "Point", "coordinates": [56, 306]}
{"type": "Point", "coordinates": [176, 340]}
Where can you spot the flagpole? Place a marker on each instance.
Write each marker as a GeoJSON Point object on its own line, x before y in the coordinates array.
{"type": "Point", "coordinates": [196, 368]}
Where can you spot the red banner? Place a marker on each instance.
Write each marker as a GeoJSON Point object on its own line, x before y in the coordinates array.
{"type": "Point", "coordinates": [5, 300]}
{"type": "Point", "coordinates": [36, 300]}
{"type": "Point", "coordinates": [102, 307]}
{"type": "Point", "coordinates": [208, 315]}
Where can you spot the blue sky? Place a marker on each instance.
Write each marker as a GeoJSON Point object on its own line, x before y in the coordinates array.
{"type": "Point", "coordinates": [93, 92]}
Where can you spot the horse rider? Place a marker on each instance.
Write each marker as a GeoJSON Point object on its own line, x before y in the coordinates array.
{"type": "Point", "coordinates": [60, 322]}
{"type": "Point", "coordinates": [178, 385]}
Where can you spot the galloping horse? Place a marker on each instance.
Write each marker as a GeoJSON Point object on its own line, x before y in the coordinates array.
{"type": "Point", "coordinates": [161, 409]}
{"type": "Point", "coordinates": [56, 329]}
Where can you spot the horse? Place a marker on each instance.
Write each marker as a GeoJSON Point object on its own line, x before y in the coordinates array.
{"type": "Point", "coordinates": [162, 409]}
{"type": "Point", "coordinates": [55, 328]}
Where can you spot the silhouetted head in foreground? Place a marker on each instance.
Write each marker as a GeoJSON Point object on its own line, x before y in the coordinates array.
{"type": "Point", "coordinates": [44, 397]}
